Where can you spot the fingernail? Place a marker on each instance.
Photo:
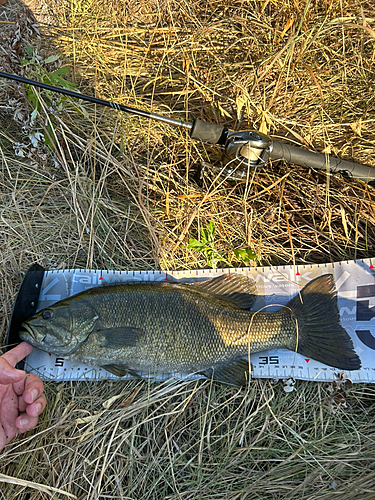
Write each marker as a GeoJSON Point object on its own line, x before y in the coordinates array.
{"type": "Point", "coordinates": [24, 422]}
{"type": "Point", "coordinates": [38, 407]}
{"type": "Point", "coordinates": [34, 394]}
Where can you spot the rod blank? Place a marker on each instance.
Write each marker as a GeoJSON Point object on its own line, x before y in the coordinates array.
{"type": "Point", "coordinates": [96, 100]}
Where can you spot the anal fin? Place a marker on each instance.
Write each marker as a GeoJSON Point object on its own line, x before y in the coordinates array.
{"type": "Point", "coordinates": [119, 370]}
{"type": "Point", "coordinates": [232, 373]}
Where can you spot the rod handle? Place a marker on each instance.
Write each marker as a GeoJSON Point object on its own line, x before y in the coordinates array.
{"type": "Point", "coordinates": [304, 158]}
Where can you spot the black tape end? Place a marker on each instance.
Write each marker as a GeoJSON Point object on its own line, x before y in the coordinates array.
{"type": "Point", "coordinates": [208, 132]}
{"type": "Point", "coordinates": [25, 304]}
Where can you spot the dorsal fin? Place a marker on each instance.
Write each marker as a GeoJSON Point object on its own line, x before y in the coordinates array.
{"type": "Point", "coordinates": [236, 288]}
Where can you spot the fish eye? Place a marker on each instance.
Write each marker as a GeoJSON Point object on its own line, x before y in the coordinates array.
{"type": "Point", "coordinates": [46, 315]}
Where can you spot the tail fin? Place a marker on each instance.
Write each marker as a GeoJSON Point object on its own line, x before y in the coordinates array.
{"type": "Point", "coordinates": [320, 334]}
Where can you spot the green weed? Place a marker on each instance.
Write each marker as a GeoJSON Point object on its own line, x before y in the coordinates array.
{"type": "Point", "coordinates": [207, 246]}
{"type": "Point", "coordinates": [54, 103]}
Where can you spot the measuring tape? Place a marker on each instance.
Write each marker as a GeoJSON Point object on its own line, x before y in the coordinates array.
{"type": "Point", "coordinates": [355, 284]}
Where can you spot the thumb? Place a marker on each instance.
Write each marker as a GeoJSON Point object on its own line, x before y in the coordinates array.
{"type": "Point", "coordinates": [8, 374]}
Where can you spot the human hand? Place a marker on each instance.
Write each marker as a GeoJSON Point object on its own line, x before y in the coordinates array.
{"type": "Point", "coordinates": [21, 395]}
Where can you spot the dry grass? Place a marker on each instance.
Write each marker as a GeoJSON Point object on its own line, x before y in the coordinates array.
{"type": "Point", "coordinates": [198, 440]}
{"type": "Point", "coordinates": [118, 192]}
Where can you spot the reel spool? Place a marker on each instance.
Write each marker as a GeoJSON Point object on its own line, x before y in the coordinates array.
{"type": "Point", "coordinates": [244, 150]}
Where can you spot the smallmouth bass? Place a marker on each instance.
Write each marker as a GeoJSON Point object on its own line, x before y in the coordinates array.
{"type": "Point", "coordinates": [208, 328]}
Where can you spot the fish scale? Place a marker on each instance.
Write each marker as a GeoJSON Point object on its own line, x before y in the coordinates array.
{"type": "Point", "coordinates": [151, 328]}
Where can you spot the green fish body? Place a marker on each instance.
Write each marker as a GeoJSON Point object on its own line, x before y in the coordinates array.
{"type": "Point", "coordinates": [147, 329]}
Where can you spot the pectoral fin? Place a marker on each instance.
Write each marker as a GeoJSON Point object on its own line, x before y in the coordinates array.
{"type": "Point", "coordinates": [233, 373]}
{"type": "Point", "coordinates": [115, 338]}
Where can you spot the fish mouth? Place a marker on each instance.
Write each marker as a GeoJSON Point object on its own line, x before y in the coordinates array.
{"type": "Point", "coordinates": [28, 333]}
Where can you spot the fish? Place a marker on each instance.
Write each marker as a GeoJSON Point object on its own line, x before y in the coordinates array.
{"type": "Point", "coordinates": [208, 328]}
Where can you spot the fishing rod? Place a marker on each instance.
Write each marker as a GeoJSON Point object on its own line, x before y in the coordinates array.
{"type": "Point", "coordinates": [241, 150]}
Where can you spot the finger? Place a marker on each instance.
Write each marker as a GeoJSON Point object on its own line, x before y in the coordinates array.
{"type": "Point", "coordinates": [8, 374]}
{"type": "Point", "coordinates": [33, 388]}
{"type": "Point", "coordinates": [24, 423]}
{"type": "Point", "coordinates": [7, 435]}
{"type": "Point", "coordinates": [36, 408]}
{"type": "Point", "coordinates": [29, 391]}
{"type": "Point", "coordinates": [14, 356]}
